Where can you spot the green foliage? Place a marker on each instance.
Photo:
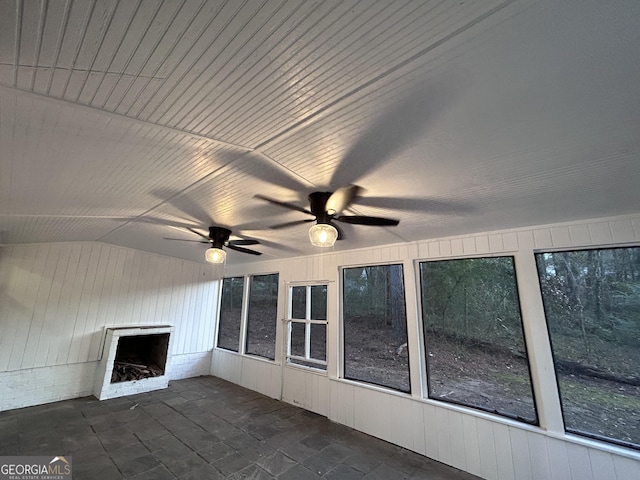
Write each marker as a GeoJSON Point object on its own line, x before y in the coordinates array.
{"type": "Point", "coordinates": [472, 300]}
{"type": "Point", "coordinates": [375, 295]}
{"type": "Point", "coordinates": [592, 304]}
{"type": "Point", "coordinates": [263, 293]}
{"type": "Point", "coordinates": [232, 293]}
{"type": "Point", "coordinates": [375, 326]}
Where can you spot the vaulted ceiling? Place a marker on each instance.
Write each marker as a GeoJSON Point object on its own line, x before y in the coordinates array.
{"type": "Point", "coordinates": [125, 121]}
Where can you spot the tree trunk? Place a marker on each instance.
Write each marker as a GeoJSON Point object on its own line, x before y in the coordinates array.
{"type": "Point", "coordinates": [396, 303]}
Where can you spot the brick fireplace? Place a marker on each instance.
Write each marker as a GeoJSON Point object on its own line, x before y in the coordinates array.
{"type": "Point", "coordinates": [134, 360]}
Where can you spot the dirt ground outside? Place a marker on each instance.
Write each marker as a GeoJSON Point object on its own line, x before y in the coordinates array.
{"type": "Point", "coordinates": [491, 380]}
{"type": "Point", "coordinates": [497, 381]}
{"type": "Point", "coordinates": [375, 356]}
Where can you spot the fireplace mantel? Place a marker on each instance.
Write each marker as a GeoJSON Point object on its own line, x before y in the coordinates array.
{"type": "Point", "coordinates": [103, 388]}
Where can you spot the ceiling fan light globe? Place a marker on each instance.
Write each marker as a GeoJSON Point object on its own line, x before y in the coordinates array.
{"type": "Point", "coordinates": [323, 235]}
{"type": "Point", "coordinates": [215, 255]}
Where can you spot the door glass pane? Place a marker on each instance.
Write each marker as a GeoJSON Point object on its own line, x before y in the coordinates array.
{"type": "Point", "coordinates": [314, 352]}
{"type": "Point", "coordinates": [319, 302]}
{"type": "Point", "coordinates": [297, 339]}
{"type": "Point", "coordinates": [298, 302]}
{"type": "Point", "coordinates": [318, 341]}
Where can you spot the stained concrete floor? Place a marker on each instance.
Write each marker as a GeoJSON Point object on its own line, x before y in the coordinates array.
{"type": "Point", "coordinates": [206, 428]}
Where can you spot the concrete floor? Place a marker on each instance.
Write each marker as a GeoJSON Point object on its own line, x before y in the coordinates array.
{"type": "Point", "coordinates": [206, 428]}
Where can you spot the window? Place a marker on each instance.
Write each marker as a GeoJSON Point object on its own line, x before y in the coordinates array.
{"type": "Point", "coordinates": [262, 316]}
{"type": "Point", "coordinates": [230, 313]}
{"type": "Point", "coordinates": [375, 326]}
{"type": "Point", "coordinates": [592, 304]}
{"type": "Point", "coordinates": [474, 342]}
{"type": "Point", "coordinates": [307, 326]}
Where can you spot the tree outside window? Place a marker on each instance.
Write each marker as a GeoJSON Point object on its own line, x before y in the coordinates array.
{"type": "Point", "coordinates": [262, 316]}
{"type": "Point", "coordinates": [230, 314]}
{"type": "Point", "coordinates": [473, 335]}
{"type": "Point", "coordinates": [375, 326]}
{"type": "Point", "coordinates": [592, 304]}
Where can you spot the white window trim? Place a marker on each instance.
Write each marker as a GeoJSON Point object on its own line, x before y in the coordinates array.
{"type": "Point", "coordinates": [307, 321]}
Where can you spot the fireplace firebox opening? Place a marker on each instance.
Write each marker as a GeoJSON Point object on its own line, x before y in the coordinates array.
{"type": "Point", "coordinates": [140, 356]}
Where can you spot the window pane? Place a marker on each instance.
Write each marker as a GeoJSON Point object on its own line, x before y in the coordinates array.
{"type": "Point", "coordinates": [592, 304]}
{"type": "Point", "coordinates": [317, 347]}
{"type": "Point", "coordinates": [318, 341]}
{"type": "Point", "coordinates": [262, 316]}
{"type": "Point", "coordinates": [230, 313]}
{"type": "Point", "coordinates": [319, 302]}
{"type": "Point", "coordinates": [299, 302]}
{"type": "Point", "coordinates": [375, 326]}
{"type": "Point", "coordinates": [298, 339]}
{"type": "Point", "coordinates": [474, 341]}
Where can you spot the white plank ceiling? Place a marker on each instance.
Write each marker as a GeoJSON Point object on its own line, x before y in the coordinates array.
{"type": "Point", "coordinates": [121, 120]}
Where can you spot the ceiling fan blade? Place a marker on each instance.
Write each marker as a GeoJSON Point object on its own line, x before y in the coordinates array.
{"type": "Point", "coordinates": [290, 224]}
{"type": "Point", "coordinates": [395, 130]}
{"type": "Point", "coordinates": [243, 250]}
{"type": "Point", "coordinates": [235, 243]}
{"type": "Point", "coordinates": [162, 222]}
{"type": "Point", "coordinates": [341, 199]}
{"type": "Point", "coordinates": [431, 205]}
{"type": "Point", "coordinates": [290, 206]}
{"type": "Point", "coordinates": [264, 168]}
{"type": "Point", "coordinates": [181, 201]}
{"type": "Point", "coordinates": [184, 240]}
{"type": "Point", "coordinates": [374, 221]}
{"type": "Point", "coordinates": [199, 234]}
{"type": "Point", "coordinates": [277, 245]}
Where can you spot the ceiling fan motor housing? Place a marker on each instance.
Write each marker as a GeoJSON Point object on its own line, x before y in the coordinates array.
{"type": "Point", "coordinates": [318, 203]}
{"type": "Point", "coordinates": [219, 236]}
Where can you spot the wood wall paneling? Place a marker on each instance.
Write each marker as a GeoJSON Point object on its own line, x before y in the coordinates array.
{"type": "Point", "coordinates": [472, 444]}
{"type": "Point", "coordinates": [59, 298]}
{"type": "Point", "coordinates": [491, 448]}
{"type": "Point", "coordinates": [486, 449]}
{"type": "Point", "coordinates": [56, 299]}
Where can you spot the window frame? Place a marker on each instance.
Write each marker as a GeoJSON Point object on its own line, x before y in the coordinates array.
{"type": "Point", "coordinates": [244, 320]}
{"type": "Point", "coordinates": [579, 434]}
{"type": "Point", "coordinates": [246, 310]}
{"type": "Point", "coordinates": [307, 322]}
{"type": "Point", "coordinates": [242, 315]}
{"type": "Point", "coordinates": [424, 373]}
{"type": "Point", "coordinates": [341, 326]}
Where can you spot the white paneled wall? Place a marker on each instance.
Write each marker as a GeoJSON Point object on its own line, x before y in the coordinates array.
{"type": "Point", "coordinates": [488, 446]}
{"type": "Point", "coordinates": [56, 300]}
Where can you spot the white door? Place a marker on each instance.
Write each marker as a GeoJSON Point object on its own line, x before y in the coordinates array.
{"type": "Point", "coordinates": [304, 369]}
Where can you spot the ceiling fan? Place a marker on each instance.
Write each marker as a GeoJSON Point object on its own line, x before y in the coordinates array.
{"type": "Point", "coordinates": [219, 237]}
{"type": "Point", "coordinates": [399, 126]}
{"type": "Point", "coordinates": [326, 207]}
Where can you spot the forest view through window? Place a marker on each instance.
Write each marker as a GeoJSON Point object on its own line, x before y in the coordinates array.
{"type": "Point", "coordinates": [262, 316]}
{"type": "Point", "coordinates": [592, 304]}
{"type": "Point", "coordinates": [230, 313]}
{"type": "Point", "coordinates": [375, 326]}
{"type": "Point", "coordinates": [474, 341]}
